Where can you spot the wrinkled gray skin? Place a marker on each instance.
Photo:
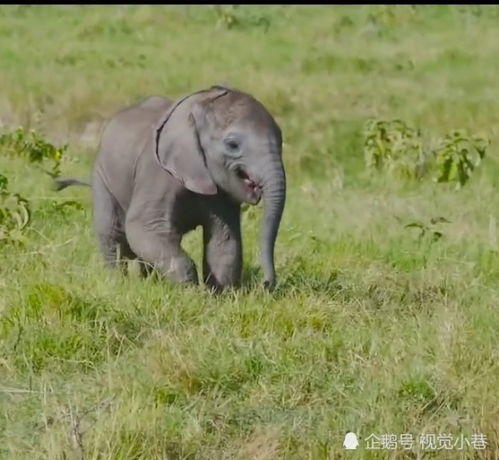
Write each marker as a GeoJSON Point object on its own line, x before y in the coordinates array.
{"type": "Point", "coordinates": [166, 167]}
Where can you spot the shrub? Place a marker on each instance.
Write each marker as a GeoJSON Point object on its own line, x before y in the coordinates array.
{"type": "Point", "coordinates": [395, 147]}
{"type": "Point", "coordinates": [458, 155]}
{"type": "Point", "coordinates": [15, 215]}
{"type": "Point", "coordinates": [31, 145]}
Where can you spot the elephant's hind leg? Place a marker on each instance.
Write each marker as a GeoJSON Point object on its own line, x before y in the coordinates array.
{"type": "Point", "coordinates": [161, 251]}
{"type": "Point", "coordinates": [108, 224]}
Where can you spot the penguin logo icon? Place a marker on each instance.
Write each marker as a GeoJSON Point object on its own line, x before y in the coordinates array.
{"type": "Point", "coordinates": [351, 442]}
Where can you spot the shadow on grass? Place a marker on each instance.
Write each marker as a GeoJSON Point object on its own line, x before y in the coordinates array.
{"type": "Point", "coordinates": [293, 282]}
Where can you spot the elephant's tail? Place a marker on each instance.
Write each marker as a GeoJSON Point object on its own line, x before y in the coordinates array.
{"type": "Point", "coordinates": [61, 183]}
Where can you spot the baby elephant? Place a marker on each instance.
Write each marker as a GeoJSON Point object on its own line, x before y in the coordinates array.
{"type": "Point", "coordinates": [164, 167]}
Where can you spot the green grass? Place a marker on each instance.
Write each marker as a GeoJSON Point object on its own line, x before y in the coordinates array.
{"type": "Point", "coordinates": [370, 330]}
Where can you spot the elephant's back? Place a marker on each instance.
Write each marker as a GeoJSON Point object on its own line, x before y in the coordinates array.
{"type": "Point", "coordinates": [131, 122]}
{"type": "Point", "coordinates": [125, 137]}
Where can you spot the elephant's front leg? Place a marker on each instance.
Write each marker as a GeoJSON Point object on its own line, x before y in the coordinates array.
{"type": "Point", "coordinates": [222, 261]}
{"type": "Point", "coordinates": [160, 248]}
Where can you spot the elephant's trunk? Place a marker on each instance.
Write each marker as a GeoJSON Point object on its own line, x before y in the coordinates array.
{"type": "Point", "coordinates": [274, 197]}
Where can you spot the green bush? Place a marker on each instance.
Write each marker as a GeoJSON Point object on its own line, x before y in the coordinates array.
{"type": "Point", "coordinates": [235, 17]}
{"type": "Point", "coordinates": [397, 148]}
{"type": "Point", "coordinates": [31, 145]}
{"type": "Point", "coordinates": [15, 215]}
{"type": "Point", "coordinates": [458, 155]}
{"type": "Point", "coordinates": [393, 146]}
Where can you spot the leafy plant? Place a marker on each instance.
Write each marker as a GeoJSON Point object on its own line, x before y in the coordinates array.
{"type": "Point", "coordinates": [396, 147]}
{"type": "Point", "coordinates": [15, 214]}
{"type": "Point", "coordinates": [383, 19]}
{"type": "Point", "coordinates": [430, 229]}
{"type": "Point", "coordinates": [34, 147]}
{"type": "Point", "coordinates": [60, 208]}
{"type": "Point", "coordinates": [227, 15]}
{"type": "Point", "coordinates": [393, 145]}
{"type": "Point", "coordinates": [458, 155]}
{"type": "Point", "coordinates": [233, 16]}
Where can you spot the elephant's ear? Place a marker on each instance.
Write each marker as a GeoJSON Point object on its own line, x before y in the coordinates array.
{"type": "Point", "coordinates": [178, 149]}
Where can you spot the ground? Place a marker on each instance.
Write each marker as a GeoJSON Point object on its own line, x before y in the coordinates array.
{"type": "Point", "coordinates": [371, 329]}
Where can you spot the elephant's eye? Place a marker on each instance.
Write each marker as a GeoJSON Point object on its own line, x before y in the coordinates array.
{"type": "Point", "coordinates": [232, 145]}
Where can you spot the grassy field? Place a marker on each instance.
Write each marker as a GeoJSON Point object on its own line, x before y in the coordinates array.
{"type": "Point", "coordinates": [371, 328]}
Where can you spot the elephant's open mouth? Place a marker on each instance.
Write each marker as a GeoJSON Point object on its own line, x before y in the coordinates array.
{"type": "Point", "coordinates": [253, 190]}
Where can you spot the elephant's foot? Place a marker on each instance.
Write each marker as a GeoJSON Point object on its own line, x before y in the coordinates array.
{"type": "Point", "coordinates": [182, 270]}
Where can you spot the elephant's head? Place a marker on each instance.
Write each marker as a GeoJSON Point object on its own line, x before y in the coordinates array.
{"type": "Point", "coordinates": [224, 139]}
